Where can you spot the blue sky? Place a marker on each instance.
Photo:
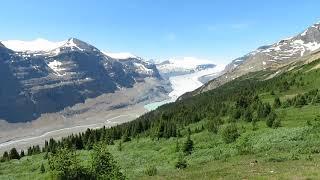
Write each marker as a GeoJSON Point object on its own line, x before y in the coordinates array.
{"type": "Point", "coordinates": [218, 30]}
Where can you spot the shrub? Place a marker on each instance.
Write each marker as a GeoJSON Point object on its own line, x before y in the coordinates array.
{"type": "Point", "coordinates": [103, 164]}
{"type": "Point", "coordinates": [151, 171]}
{"type": "Point", "coordinates": [65, 165]}
{"type": "Point", "coordinates": [230, 133]}
{"type": "Point", "coordinates": [181, 163]}
{"type": "Point", "coordinates": [42, 169]}
{"type": "Point", "coordinates": [188, 145]}
{"type": "Point", "coordinates": [276, 102]}
{"type": "Point", "coordinates": [271, 119]}
{"type": "Point", "coordinates": [213, 125]}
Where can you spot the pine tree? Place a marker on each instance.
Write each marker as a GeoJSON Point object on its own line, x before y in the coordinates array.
{"type": "Point", "coordinates": [22, 153]}
{"type": "Point", "coordinates": [177, 146]}
{"type": "Point", "coordinates": [42, 169]}
{"type": "Point", "coordinates": [188, 145]}
{"type": "Point", "coordinates": [120, 146]}
{"type": "Point", "coordinates": [277, 102]}
{"type": "Point", "coordinates": [14, 154]}
{"type": "Point", "coordinates": [5, 156]}
{"type": "Point", "coordinates": [103, 164]}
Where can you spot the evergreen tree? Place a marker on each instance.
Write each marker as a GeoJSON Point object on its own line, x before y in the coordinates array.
{"type": "Point", "coordinates": [5, 156]}
{"type": "Point", "coordinates": [42, 169]}
{"type": "Point", "coordinates": [14, 154]}
{"type": "Point", "coordinates": [120, 146]}
{"type": "Point", "coordinates": [22, 153]}
{"type": "Point", "coordinates": [271, 118]}
{"type": "Point", "coordinates": [188, 145]}
{"type": "Point", "coordinates": [103, 164]}
{"type": "Point", "coordinates": [177, 149]}
{"type": "Point", "coordinates": [230, 133]}
{"type": "Point", "coordinates": [276, 102]}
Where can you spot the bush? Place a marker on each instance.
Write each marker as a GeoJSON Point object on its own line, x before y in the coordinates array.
{"type": "Point", "coordinates": [188, 145]}
{"type": "Point", "coordinates": [213, 125]}
{"type": "Point", "coordinates": [230, 133]}
{"type": "Point", "coordinates": [103, 164]}
{"type": "Point", "coordinates": [181, 163]}
{"type": "Point", "coordinates": [42, 169]}
{"type": "Point", "coordinates": [276, 102]}
{"type": "Point", "coordinates": [65, 165]}
{"type": "Point", "coordinates": [151, 171]}
{"type": "Point", "coordinates": [273, 121]}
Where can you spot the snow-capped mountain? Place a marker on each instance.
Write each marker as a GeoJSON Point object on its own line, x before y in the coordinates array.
{"type": "Point", "coordinates": [270, 56]}
{"type": "Point", "coordinates": [120, 56]}
{"type": "Point", "coordinates": [186, 65]}
{"type": "Point", "coordinates": [32, 46]}
{"type": "Point", "coordinates": [48, 78]}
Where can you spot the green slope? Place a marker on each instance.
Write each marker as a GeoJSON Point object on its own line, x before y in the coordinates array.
{"type": "Point", "coordinates": [288, 151]}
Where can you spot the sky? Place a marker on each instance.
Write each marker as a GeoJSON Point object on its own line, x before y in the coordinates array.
{"type": "Point", "coordinates": [217, 30]}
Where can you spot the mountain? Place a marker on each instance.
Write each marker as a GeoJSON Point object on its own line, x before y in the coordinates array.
{"type": "Point", "coordinates": [187, 65]}
{"type": "Point", "coordinates": [268, 57]}
{"type": "Point", "coordinates": [43, 80]}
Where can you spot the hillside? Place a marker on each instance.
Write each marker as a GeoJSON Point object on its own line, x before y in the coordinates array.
{"type": "Point", "coordinates": [272, 56]}
{"type": "Point", "coordinates": [261, 125]}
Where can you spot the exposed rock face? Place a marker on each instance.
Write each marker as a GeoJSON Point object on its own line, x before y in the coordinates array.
{"type": "Point", "coordinates": [33, 83]}
{"type": "Point", "coordinates": [269, 56]}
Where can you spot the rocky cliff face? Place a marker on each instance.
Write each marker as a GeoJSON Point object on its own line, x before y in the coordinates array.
{"type": "Point", "coordinates": [268, 57]}
{"type": "Point", "coordinates": [39, 82]}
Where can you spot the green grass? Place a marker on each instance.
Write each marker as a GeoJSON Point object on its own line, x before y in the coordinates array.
{"type": "Point", "coordinates": [289, 152]}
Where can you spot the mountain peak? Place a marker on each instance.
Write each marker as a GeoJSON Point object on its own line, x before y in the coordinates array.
{"type": "Point", "coordinates": [1, 45]}
{"type": "Point", "coordinates": [74, 44]}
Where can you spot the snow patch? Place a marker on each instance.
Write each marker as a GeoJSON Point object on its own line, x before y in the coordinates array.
{"type": "Point", "coordinates": [56, 67]}
{"type": "Point", "coordinates": [121, 55]}
{"type": "Point", "coordinates": [33, 46]}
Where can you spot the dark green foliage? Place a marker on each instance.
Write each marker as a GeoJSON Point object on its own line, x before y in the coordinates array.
{"type": "Point", "coordinates": [14, 154]}
{"type": "Point", "coordinates": [103, 164]}
{"type": "Point", "coordinates": [125, 137]}
{"type": "Point", "coordinates": [65, 164]}
{"type": "Point", "coordinates": [276, 102]}
{"type": "Point", "coordinates": [300, 100]}
{"type": "Point", "coordinates": [42, 168]}
{"type": "Point", "coordinates": [188, 144]}
{"type": "Point", "coordinates": [248, 116]}
{"type": "Point", "coordinates": [230, 133]}
{"type": "Point", "coordinates": [22, 154]}
{"type": "Point", "coordinates": [151, 171]}
{"type": "Point", "coordinates": [271, 119]}
{"type": "Point", "coordinates": [181, 163]}
{"type": "Point", "coordinates": [5, 156]}
{"type": "Point", "coordinates": [119, 147]}
{"type": "Point", "coordinates": [177, 149]}
{"type": "Point", "coordinates": [263, 110]}
{"type": "Point", "coordinates": [214, 124]}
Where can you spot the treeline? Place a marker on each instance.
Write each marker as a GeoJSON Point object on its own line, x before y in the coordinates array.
{"type": "Point", "coordinates": [236, 101]}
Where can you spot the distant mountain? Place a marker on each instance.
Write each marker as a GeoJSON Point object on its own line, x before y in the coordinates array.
{"type": "Point", "coordinates": [175, 67]}
{"type": "Point", "coordinates": [37, 79]}
{"type": "Point", "coordinates": [268, 57]}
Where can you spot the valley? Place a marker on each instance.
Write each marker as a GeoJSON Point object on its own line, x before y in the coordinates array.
{"type": "Point", "coordinates": [117, 90]}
